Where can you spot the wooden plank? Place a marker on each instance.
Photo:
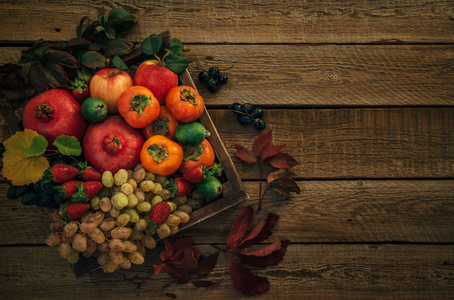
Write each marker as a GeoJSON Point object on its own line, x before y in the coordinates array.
{"type": "Point", "coordinates": [339, 75]}
{"type": "Point", "coordinates": [307, 271]}
{"type": "Point", "coordinates": [325, 211]}
{"type": "Point", "coordinates": [350, 143]}
{"type": "Point", "coordinates": [353, 143]}
{"type": "Point", "coordinates": [334, 21]}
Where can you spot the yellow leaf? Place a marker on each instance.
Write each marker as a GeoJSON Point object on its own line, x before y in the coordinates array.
{"type": "Point", "coordinates": [18, 167]}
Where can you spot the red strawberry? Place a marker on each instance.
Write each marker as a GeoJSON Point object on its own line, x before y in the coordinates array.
{"type": "Point", "coordinates": [68, 188]}
{"type": "Point", "coordinates": [87, 191]}
{"type": "Point", "coordinates": [160, 212]}
{"type": "Point", "coordinates": [77, 210]}
{"type": "Point", "coordinates": [89, 173]}
{"type": "Point", "coordinates": [196, 174]}
{"type": "Point", "coordinates": [80, 90]}
{"type": "Point", "coordinates": [179, 187]}
{"type": "Point", "coordinates": [60, 173]}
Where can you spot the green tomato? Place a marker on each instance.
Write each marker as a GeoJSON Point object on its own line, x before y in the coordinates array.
{"type": "Point", "coordinates": [94, 110]}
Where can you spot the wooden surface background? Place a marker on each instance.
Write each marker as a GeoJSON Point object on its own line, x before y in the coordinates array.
{"type": "Point", "coordinates": [362, 93]}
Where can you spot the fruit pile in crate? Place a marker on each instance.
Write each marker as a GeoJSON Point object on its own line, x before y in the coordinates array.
{"type": "Point", "coordinates": [121, 159]}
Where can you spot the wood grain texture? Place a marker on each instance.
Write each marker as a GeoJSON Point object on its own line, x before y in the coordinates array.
{"type": "Point", "coordinates": [324, 211]}
{"type": "Point", "coordinates": [322, 75]}
{"type": "Point", "coordinates": [350, 143]}
{"type": "Point", "coordinates": [334, 21]}
{"type": "Point", "coordinates": [307, 271]}
{"type": "Point", "coordinates": [353, 143]}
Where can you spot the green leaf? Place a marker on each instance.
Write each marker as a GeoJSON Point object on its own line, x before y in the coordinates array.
{"type": "Point", "coordinates": [175, 50]}
{"type": "Point", "coordinates": [84, 74]}
{"type": "Point", "coordinates": [118, 47]}
{"type": "Point", "coordinates": [93, 60]}
{"type": "Point", "coordinates": [68, 145]}
{"type": "Point", "coordinates": [119, 14]}
{"type": "Point", "coordinates": [110, 32]}
{"type": "Point", "coordinates": [83, 25]}
{"type": "Point", "coordinates": [99, 29]}
{"type": "Point", "coordinates": [36, 76]}
{"type": "Point", "coordinates": [151, 45]}
{"type": "Point", "coordinates": [38, 146]}
{"type": "Point", "coordinates": [56, 75]}
{"type": "Point", "coordinates": [176, 42]}
{"type": "Point", "coordinates": [60, 57]}
{"type": "Point", "coordinates": [119, 63]}
{"type": "Point", "coordinates": [102, 20]}
{"type": "Point", "coordinates": [176, 63]}
{"type": "Point", "coordinates": [78, 42]}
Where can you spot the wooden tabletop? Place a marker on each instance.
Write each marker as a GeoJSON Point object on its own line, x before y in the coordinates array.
{"type": "Point", "coordinates": [361, 93]}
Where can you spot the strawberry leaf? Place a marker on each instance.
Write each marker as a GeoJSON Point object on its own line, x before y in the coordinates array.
{"type": "Point", "coordinates": [260, 232]}
{"type": "Point", "coordinates": [93, 60]}
{"type": "Point", "coordinates": [119, 63]}
{"type": "Point", "coordinates": [246, 282]}
{"type": "Point", "coordinates": [282, 161]}
{"type": "Point", "coordinates": [262, 142]}
{"type": "Point", "coordinates": [239, 228]}
{"type": "Point", "coordinates": [245, 154]}
{"type": "Point", "coordinates": [268, 256]}
{"type": "Point", "coordinates": [17, 166]}
{"type": "Point", "coordinates": [207, 264]}
{"type": "Point", "coordinates": [68, 145]}
{"type": "Point", "coordinates": [271, 151]}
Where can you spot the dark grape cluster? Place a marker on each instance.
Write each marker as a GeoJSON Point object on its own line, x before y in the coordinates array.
{"type": "Point", "coordinates": [41, 194]}
{"type": "Point", "coordinates": [213, 78]}
{"type": "Point", "coordinates": [247, 113]}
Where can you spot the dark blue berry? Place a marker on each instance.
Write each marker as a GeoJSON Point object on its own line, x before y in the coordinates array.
{"type": "Point", "coordinates": [257, 113]}
{"type": "Point", "coordinates": [236, 106]}
{"type": "Point", "coordinates": [259, 124]}
{"type": "Point", "coordinates": [212, 85]}
{"type": "Point", "coordinates": [22, 190]}
{"type": "Point", "coordinates": [213, 70]}
{"type": "Point", "coordinates": [47, 188]}
{"type": "Point", "coordinates": [204, 76]}
{"type": "Point", "coordinates": [11, 193]}
{"type": "Point", "coordinates": [37, 187]}
{"type": "Point", "coordinates": [244, 119]}
{"type": "Point", "coordinates": [223, 79]}
{"type": "Point", "coordinates": [31, 198]}
{"type": "Point", "coordinates": [58, 198]}
{"type": "Point", "coordinates": [45, 199]}
{"type": "Point", "coordinates": [248, 108]}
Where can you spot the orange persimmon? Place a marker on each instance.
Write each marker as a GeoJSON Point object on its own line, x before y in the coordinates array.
{"type": "Point", "coordinates": [201, 154]}
{"type": "Point", "coordinates": [185, 103]}
{"type": "Point", "coordinates": [165, 124]}
{"type": "Point", "coordinates": [160, 155]}
{"type": "Point", "coordinates": [138, 106]}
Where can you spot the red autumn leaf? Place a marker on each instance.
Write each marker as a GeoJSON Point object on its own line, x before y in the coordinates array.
{"type": "Point", "coordinates": [239, 227]}
{"type": "Point", "coordinates": [246, 282]}
{"type": "Point", "coordinates": [268, 256]}
{"type": "Point", "coordinates": [260, 232]}
{"type": "Point", "coordinates": [204, 283]}
{"type": "Point", "coordinates": [271, 151]}
{"type": "Point", "coordinates": [179, 246]}
{"type": "Point", "coordinates": [277, 174]}
{"type": "Point", "coordinates": [158, 268]}
{"type": "Point", "coordinates": [282, 161]}
{"type": "Point", "coordinates": [166, 254]}
{"type": "Point", "coordinates": [284, 184]}
{"type": "Point", "coordinates": [172, 272]}
{"type": "Point", "coordinates": [207, 264]}
{"type": "Point", "coordinates": [245, 154]}
{"type": "Point", "coordinates": [189, 262]}
{"type": "Point", "coordinates": [261, 143]}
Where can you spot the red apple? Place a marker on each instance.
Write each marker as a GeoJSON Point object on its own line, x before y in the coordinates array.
{"type": "Point", "coordinates": [107, 84]}
{"type": "Point", "coordinates": [54, 113]}
{"type": "Point", "coordinates": [112, 145]}
{"type": "Point", "coordinates": [158, 79]}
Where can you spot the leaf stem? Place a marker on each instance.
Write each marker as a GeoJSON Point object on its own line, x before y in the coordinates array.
{"type": "Point", "coordinates": [259, 208]}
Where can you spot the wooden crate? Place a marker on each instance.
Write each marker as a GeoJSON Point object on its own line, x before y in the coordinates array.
{"type": "Point", "coordinates": [233, 189]}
